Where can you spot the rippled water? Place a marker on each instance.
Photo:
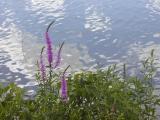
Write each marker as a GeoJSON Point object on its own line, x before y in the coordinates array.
{"type": "Point", "coordinates": [95, 32]}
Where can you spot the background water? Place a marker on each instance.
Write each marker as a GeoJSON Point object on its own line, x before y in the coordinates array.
{"type": "Point", "coordinates": [95, 32]}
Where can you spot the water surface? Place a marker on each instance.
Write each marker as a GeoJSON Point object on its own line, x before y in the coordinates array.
{"type": "Point", "coordinates": [96, 33]}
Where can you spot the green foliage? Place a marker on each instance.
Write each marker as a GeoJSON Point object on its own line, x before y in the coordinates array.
{"type": "Point", "coordinates": [100, 95]}
{"type": "Point", "coordinates": [11, 102]}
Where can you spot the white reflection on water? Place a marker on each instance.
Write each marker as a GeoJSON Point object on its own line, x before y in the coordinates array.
{"type": "Point", "coordinates": [156, 35]}
{"type": "Point", "coordinates": [154, 5]}
{"type": "Point", "coordinates": [45, 8]}
{"type": "Point", "coordinates": [12, 44]}
{"type": "Point", "coordinates": [96, 20]}
{"type": "Point", "coordinates": [13, 64]}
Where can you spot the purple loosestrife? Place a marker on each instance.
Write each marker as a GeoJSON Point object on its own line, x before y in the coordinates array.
{"type": "Point", "coordinates": [42, 66]}
{"type": "Point", "coordinates": [49, 49]}
{"type": "Point", "coordinates": [49, 45]}
{"type": "Point", "coordinates": [58, 58]}
{"type": "Point", "coordinates": [64, 95]}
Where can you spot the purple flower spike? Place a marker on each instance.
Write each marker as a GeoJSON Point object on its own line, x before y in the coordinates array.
{"type": "Point", "coordinates": [64, 95]}
{"type": "Point", "coordinates": [49, 49]}
{"type": "Point", "coordinates": [42, 66]}
{"type": "Point", "coordinates": [49, 45]}
{"type": "Point", "coordinates": [58, 59]}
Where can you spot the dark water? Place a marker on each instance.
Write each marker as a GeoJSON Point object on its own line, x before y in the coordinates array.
{"type": "Point", "coordinates": [95, 32]}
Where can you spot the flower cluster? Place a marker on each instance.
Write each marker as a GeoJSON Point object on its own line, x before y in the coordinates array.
{"type": "Point", "coordinates": [54, 61]}
{"type": "Point", "coordinates": [49, 49]}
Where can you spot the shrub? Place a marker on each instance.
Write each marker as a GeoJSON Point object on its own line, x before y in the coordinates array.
{"type": "Point", "coordinates": [100, 95]}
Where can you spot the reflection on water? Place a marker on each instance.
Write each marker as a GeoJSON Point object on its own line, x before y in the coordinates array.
{"type": "Point", "coordinates": [96, 20]}
{"type": "Point", "coordinates": [45, 8]}
{"type": "Point", "coordinates": [154, 5]}
{"type": "Point", "coordinates": [12, 62]}
{"type": "Point", "coordinates": [96, 33]}
{"type": "Point", "coordinates": [12, 45]}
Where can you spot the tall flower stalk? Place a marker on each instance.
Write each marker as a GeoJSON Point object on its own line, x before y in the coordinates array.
{"type": "Point", "coordinates": [49, 53]}
{"type": "Point", "coordinates": [49, 45]}
{"type": "Point", "coordinates": [64, 95]}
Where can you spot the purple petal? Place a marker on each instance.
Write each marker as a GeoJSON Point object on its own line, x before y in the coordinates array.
{"type": "Point", "coordinates": [49, 49]}
{"type": "Point", "coordinates": [64, 95]}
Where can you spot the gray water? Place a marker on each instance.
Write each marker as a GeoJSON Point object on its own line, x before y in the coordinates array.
{"type": "Point", "coordinates": [96, 33]}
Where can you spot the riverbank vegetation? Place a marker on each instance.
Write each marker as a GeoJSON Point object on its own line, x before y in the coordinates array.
{"type": "Point", "coordinates": [87, 95]}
